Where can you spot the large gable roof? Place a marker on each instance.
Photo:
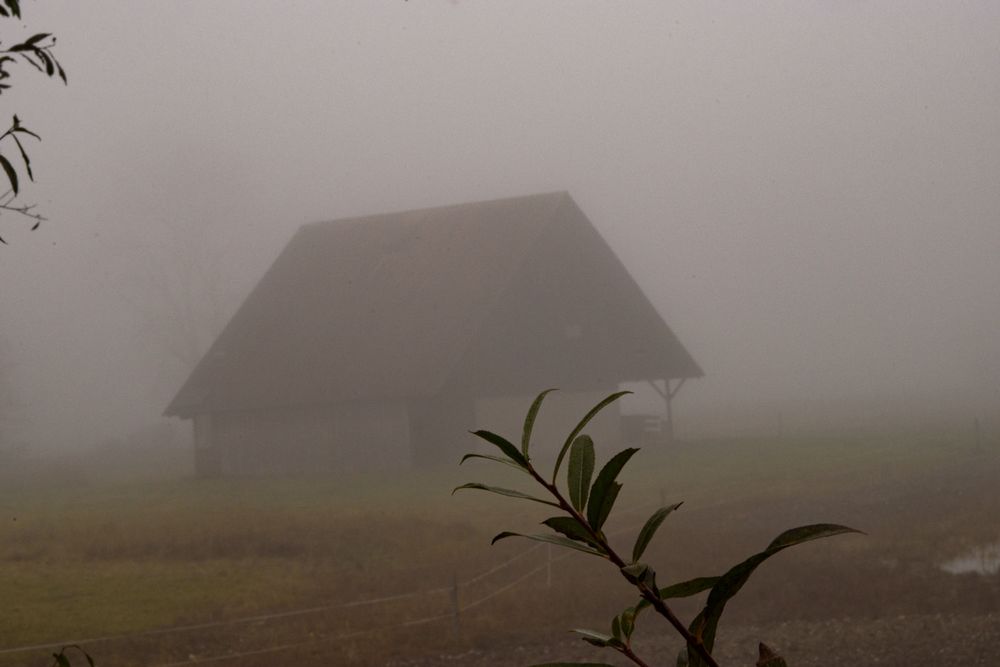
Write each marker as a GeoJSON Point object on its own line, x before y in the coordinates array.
{"type": "Point", "coordinates": [372, 307]}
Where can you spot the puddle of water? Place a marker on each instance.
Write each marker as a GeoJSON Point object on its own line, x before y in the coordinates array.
{"type": "Point", "coordinates": [981, 560]}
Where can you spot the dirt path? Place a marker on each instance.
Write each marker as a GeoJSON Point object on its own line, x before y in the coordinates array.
{"type": "Point", "coordinates": [905, 641]}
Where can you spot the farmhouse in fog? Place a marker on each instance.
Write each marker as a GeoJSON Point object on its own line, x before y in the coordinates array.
{"type": "Point", "coordinates": [379, 341]}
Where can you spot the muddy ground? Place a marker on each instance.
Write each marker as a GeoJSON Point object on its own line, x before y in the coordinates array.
{"type": "Point", "coordinates": [882, 599]}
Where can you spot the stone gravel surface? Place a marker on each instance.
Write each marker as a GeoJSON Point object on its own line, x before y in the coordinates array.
{"type": "Point", "coordinates": [904, 641]}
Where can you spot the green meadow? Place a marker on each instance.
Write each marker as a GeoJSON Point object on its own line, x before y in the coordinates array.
{"type": "Point", "coordinates": [127, 556]}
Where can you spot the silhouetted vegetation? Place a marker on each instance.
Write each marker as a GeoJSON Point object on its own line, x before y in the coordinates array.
{"type": "Point", "coordinates": [586, 506]}
{"type": "Point", "coordinates": [37, 51]}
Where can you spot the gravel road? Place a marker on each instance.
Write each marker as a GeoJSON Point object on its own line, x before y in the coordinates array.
{"type": "Point", "coordinates": [903, 641]}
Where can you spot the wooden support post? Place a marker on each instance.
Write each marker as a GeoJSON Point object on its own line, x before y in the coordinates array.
{"type": "Point", "coordinates": [670, 408]}
{"type": "Point", "coordinates": [668, 398]}
{"type": "Point", "coordinates": [661, 392]}
{"type": "Point", "coordinates": [667, 394]}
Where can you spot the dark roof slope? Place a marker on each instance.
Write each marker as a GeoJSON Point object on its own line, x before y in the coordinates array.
{"type": "Point", "coordinates": [373, 307]}
{"type": "Point", "coordinates": [573, 318]}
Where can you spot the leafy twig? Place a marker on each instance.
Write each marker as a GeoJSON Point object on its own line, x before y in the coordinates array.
{"type": "Point", "coordinates": [588, 507]}
{"type": "Point", "coordinates": [37, 52]}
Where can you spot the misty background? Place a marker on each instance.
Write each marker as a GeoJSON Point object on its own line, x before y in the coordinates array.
{"type": "Point", "coordinates": [808, 192]}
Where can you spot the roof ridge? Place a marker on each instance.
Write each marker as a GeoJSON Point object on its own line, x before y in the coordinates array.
{"type": "Point", "coordinates": [430, 209]}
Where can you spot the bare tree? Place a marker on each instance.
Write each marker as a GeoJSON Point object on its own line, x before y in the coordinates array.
{"type": "Point", "coordinates": [181, 295]}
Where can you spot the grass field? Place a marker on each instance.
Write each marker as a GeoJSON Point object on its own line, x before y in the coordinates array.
{"type": "Point", "coordinates": [89, 556]}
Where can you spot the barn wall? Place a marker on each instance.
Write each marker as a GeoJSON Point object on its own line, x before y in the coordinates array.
{"type": "Point", "coordinates": [440, 428]}
{"type": "Point", "coordinates": [207, 456]}
{"type": "Point", "coordinates": [346, 437]}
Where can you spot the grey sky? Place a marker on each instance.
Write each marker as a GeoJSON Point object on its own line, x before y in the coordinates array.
{"type": "Point", "coordinates": [808, 191]}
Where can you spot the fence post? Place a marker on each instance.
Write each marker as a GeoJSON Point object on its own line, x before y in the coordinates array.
{"type": "Point", "coordinates": [455, 610]}
{"type": "Point", "coordinates": [548, 566]}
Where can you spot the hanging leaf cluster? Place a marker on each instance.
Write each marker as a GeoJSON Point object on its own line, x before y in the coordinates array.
{"type": "Point", "coordinates": [10, 8]}
{"type": "Point", "coordinates": [15, 129]}
{"type": "Point", "coordinates": [36, 51]}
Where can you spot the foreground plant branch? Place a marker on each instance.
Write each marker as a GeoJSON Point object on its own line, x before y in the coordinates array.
{"type": "Point", "coordinates": [586, 506]}
{"type": "Point", "coordinates": [38, 52]}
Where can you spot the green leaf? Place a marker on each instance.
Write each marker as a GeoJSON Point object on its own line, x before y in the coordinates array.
{"type": "Point", "coordinates": [639, 573]}
{"type": "Point", "coordinates": [50, 67]}
{"type": "Point", "coordinates": [688, 588]}
{"type": "Point", "coordinates": [11, 174]}
{"type": "Point", "coordinates": [504, 445]}
{"type": "Point", "coordinates": [598, 638]}
{"type": "Point", "coordinates": [598, 516]}
{"type": "Point", "coordinates": [682, 589]}
{"type": "Point", "coordinates": [649, 529]}
{"type": "Point", "coordinates": [511, 493]}
{"type": "Point", "coordinates": [24, 156]}
{"type": "Point", "coordinates": [572, 529]}
{"type": "Point", "coordinates": [498, 459]}
{"type": "Point", "coordinates": [627, 621]}
{"type": "Point", "coordinates": [732, 581]}
{"type": "Point", "coordinates": [581, 469]}
{"type": "Point", "coordinates": [26, 131]}
{"type": "Point", "coordinates": [580, 426]}
{"type": "Point", "coordinates": [557, 540]}
{"type": "Point", "coordinates": [605, 489]}
{"type": "Point", "coordinates": [529, 421]}
{"type": "Point", "coordinates": [815, 531]}
{"type": "Point", "coordinates": [697, 628]}
{"type": "Point", "coordinates": [616, 627]}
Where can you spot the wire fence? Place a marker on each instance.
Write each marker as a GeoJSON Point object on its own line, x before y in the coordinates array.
{"type": "Point", "coordinates": [454, 612]}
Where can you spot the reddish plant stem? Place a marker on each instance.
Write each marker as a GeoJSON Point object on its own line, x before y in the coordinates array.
{"type": "Point", "coordinates": [627, 652]}
{"type": "Point", "coordinates": [648, 593]}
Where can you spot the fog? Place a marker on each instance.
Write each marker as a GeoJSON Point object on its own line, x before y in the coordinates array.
{"type": "Point", "coordinates": [808, 193]}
